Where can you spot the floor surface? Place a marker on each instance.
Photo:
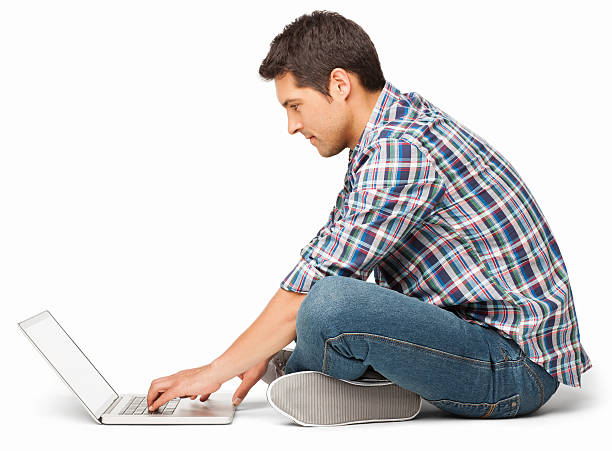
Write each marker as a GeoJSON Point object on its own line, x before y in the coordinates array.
{"type": "Point", "coordinates": [50, 416]}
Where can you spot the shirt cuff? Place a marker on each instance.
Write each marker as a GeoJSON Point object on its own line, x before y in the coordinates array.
{"type": "Point", "coordinates": [302, 277]}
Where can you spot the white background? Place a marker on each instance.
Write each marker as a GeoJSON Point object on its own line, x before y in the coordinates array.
{"type": "Point", "coordinates": [151, 198]}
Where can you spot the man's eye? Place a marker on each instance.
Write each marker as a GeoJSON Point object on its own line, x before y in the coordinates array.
{"type": "Point", "coordinates": [293, 107]}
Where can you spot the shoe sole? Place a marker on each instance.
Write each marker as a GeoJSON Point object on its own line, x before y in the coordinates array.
{"type": "Point", "coordinates": [311, 398]}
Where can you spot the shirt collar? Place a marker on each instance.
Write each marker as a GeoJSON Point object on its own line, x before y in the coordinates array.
{"type": "Point", "coordinates": [389, 95]}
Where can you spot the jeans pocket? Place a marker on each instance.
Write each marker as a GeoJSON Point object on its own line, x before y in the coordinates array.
{"type": "Point", "coordinates": [505, 408]}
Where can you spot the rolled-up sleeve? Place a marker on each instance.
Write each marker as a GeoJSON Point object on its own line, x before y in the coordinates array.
{"type": "Point", "coordinates": [394, 189]}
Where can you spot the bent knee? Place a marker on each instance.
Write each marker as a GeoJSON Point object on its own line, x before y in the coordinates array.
{"type": "Point", "coordinates": [324, 302]}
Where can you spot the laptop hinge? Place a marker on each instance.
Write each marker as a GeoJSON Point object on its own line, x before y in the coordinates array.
{"type": "Point", "coordinates": [112, 406]}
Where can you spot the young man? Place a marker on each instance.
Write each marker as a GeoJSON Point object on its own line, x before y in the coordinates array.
{"type": "Point", "coordinates": [472, 307]}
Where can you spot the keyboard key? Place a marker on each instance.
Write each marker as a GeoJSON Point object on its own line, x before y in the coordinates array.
{"type": "Point", "coordinates": [138, 406]}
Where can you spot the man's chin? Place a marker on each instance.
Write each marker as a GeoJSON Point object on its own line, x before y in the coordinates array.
{"type": "Point", "coordinates": [326, 153]}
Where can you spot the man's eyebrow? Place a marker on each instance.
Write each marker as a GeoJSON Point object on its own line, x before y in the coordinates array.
{"type": "Point", "coordinates": [286, 102]}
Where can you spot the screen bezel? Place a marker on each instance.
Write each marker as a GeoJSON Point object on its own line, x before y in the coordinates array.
{"type": "Point", "coordinates": [95, 412]}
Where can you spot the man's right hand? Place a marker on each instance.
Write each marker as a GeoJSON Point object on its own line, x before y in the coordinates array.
{"type": "Point", "coordinates": [249, 378]}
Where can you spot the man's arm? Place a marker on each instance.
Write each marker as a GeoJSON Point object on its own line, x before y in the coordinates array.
{"type": "Point", "coordinates": [396, 188]}
{"type": "Point", "coordinates": [273, 329]}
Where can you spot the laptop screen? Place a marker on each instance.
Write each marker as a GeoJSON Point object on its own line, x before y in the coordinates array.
{"type": "Point", "coordinates": [69, 361]}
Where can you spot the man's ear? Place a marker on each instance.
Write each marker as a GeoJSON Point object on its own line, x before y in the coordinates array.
{"type": "Point", "coordinates": [339, 84]}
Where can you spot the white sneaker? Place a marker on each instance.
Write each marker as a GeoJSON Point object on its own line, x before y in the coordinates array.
{"type": "Point", "coordinates": [311, 398]}
{"type": "Point", "coordinates": [276, 365]}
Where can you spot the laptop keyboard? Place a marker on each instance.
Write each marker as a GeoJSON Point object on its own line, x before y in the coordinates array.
{"type": "Point", "coordinates": [138, 406]}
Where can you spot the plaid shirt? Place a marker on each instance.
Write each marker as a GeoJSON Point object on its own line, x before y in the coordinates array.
{"type": "Point", "coordinates": [439, 215]}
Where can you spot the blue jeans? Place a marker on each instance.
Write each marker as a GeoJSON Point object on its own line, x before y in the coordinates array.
{"type": "Point", "coordinates": [345, 325]}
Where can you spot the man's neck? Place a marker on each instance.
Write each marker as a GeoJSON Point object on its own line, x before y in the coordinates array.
{"type": "Point", "coordinates": [362, 115]}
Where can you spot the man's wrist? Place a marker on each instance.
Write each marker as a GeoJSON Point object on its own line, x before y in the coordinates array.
{"type": "Point", "coordinates": [220, 370]}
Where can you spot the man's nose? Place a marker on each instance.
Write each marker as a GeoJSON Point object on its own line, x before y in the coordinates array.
{"type": "Point", "coordinates": [294, 126]}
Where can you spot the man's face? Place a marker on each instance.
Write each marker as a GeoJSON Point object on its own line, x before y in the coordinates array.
{"type": "Point", "coordinates": [310, 113]}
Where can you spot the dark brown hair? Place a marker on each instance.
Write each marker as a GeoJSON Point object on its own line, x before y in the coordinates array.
{"type": "Point", "coordinates": [314, 44]}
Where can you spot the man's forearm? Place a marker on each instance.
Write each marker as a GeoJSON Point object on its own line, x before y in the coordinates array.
{"type": "Point", "coordinates": [273, 329]}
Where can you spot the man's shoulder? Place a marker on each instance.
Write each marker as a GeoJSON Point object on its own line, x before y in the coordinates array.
{"type": "Point", "coordinates": [405, 119]}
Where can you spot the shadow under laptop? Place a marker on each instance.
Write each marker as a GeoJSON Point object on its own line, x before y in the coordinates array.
{"type": "Point", "coordinates": [252, 405]}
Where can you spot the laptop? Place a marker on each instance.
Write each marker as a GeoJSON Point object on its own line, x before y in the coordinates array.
{"type": "Point", "coordinates": [98, 397]}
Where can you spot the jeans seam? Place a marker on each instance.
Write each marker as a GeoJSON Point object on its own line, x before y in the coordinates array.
{"type": "Point", "coordinates": [445, 354]}
{"type": "Point", "coordinates": [491, 409]}
{"type": "Point", "coordinates": [538, 381]}
{"type": "Point", "coordinates": [492, 406]}
{"type": "Point", "coordinates": [503, 352]}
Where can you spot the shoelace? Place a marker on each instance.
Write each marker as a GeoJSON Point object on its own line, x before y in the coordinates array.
{"type": "Point", "coordinates": [280, 362]}
{"type": "Point", "coordinates": [279, 365]}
